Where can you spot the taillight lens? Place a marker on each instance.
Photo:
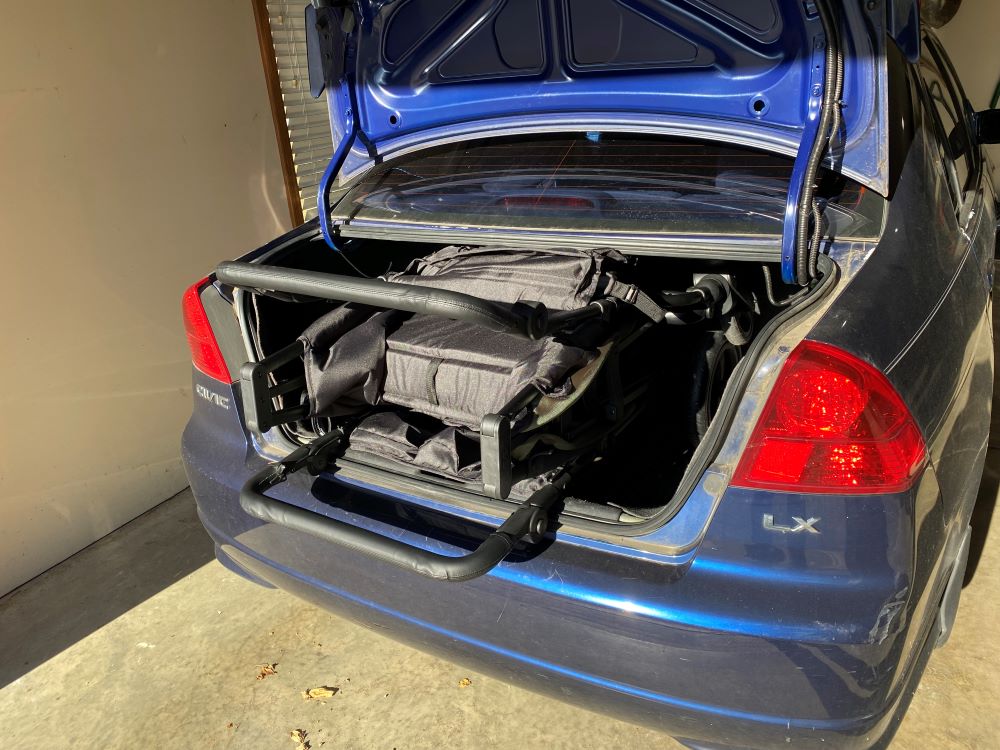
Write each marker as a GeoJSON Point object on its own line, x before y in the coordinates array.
{"type": "Point", "coordinates": [205, 354]}
{"type": "Point", "coordinates": [832, 424]}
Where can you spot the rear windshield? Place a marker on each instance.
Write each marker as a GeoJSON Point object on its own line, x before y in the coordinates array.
{"type": "Point", "coordinates": [586, 182]}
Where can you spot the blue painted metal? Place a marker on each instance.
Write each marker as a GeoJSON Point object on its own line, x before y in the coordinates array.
{"type": "Point", "coordinates": [425, 75]}
{"type": "Point", "coordinates": [904, 26]}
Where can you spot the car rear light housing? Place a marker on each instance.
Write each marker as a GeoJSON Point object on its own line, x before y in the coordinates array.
{"type": "Point", "coordinates": [205, 353]}
{"type": "Point", "coordinates": [832, 424]}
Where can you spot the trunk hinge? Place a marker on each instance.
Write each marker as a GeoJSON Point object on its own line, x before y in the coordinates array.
{"type": "Point", "coordinates": [802, 227]}
{"type": "Point", "coordinates": [330, 29]}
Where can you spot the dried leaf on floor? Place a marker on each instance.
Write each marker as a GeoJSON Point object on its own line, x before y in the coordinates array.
{"type": "Point", "coordinates": [464, 682]}
{"type": "Point", "coordinates": [265, 670]}
{"type": "Point", "coordinates": [320, 693]}
{"type": "Point", "coordinates": [299, 736]}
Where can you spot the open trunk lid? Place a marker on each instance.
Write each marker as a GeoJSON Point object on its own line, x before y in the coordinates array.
{"type": "Point", "coordinates": [802, 77]}
{"type": "Point", "coordinates": [409, 73]}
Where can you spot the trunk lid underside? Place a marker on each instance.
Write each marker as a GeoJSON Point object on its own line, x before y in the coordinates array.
{"type": "Point", "coordinates": [410, 73]}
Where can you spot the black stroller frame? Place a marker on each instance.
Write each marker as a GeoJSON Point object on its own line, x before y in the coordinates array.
{"type": "Point", "coordinates": [262, 391]}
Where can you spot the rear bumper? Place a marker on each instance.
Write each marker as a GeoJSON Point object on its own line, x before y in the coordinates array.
{"type": "Point", "coordinates": [697, 724]}
{"type": "Point", "coordinates": [715, 653]}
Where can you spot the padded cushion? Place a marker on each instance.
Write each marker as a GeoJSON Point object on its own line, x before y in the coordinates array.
{"type": "Point", "coordinates": [451, 452]}
{"type": "Point", "coordinates": [358, 356]}
{"type": "Point", "coordinates": [448, 452]}
{"type": "Point", "coordinates": [459, 373]}
{"type": "Point", "coordinates": [559, 278]}
{"type": "Point", "coordinates": [344, 359]}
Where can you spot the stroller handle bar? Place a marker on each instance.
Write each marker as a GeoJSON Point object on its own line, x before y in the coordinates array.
{"type": "Point", "coordinates": [528, 522]}
{"type": "Point", "coordinates": [526, 319]}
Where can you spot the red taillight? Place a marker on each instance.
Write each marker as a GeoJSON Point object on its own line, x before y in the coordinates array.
{"type": "Point", "coordinates": [832, 424]}
{"type": "Point", "coordinates": [205, 354]}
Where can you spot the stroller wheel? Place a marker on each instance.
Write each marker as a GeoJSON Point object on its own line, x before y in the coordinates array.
{"type": "Point", "coordinates": [715, 359]}
{"type": "Point", "coordinates": [739, 328]}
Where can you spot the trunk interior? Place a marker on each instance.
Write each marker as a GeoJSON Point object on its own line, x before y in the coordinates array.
{"type": "Point", "coordinates": [628, 474]}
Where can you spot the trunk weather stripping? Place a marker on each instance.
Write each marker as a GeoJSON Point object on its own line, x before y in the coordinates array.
{"type": "Point", "coordinates": [597, 527]}
{"type": "Point", "coordinates": [799, 245]}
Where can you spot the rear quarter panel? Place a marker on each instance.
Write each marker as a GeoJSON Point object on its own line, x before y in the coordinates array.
{"type": "Point", "coordinates": [919, 310]}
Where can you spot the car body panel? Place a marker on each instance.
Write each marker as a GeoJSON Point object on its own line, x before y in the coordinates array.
{"type": "Point", "coordinates": [427, 71]}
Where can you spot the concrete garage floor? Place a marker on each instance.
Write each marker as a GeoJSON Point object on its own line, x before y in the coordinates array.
{"type": "Point", "coordinates": [143, 640]}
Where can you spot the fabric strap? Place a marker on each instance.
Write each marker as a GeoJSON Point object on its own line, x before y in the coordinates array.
{"type": "Point", "coordinates": [630, 294]}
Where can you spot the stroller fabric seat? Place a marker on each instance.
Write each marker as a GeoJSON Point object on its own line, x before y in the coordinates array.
{"type": "Point", "coordinates": [459, 373]}
{"type": "Point", "coordinates": [357, 357]}
{"type": "Point", "coordinates": [559, 278]}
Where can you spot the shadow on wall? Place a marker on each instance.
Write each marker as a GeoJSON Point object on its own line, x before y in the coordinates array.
{"type": "Point", "coordinates": [111, 576]}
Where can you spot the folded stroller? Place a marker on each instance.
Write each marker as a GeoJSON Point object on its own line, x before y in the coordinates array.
{"type": "Point", "coordinates": [493, 369]}
{"type": "Point", "coordinates": [494, 345]}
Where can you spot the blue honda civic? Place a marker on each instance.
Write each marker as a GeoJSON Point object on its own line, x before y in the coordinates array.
{"type": "Point", "coordinates": [640, 354]}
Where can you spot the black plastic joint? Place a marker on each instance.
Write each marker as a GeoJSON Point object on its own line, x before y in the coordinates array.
{"type": "Point", "coordinates": [535, 316]}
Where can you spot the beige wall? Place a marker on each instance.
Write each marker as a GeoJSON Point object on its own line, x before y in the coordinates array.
{"type": "Point", "coordinates": [973, 43]}
{"type": "Point", "coordinates": [136, 149]}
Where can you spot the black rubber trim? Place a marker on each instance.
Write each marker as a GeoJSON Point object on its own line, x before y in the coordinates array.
{"type": "Point", "coordinates": [733, 394]}
{"type": "Point", "coordinates": [377, 293]}
{"type": "Point", "coordinates": [529, 520]}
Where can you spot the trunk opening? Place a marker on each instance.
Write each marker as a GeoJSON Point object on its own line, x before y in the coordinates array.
{"type": "Point", "coordinates": [630, 475]}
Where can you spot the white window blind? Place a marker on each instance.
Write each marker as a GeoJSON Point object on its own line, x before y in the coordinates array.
{"type": "Point", "coordinates": [307, 119]}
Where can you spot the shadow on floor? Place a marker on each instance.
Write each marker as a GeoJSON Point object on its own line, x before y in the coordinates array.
{"type": "Point", "coordinates": [97, 584]}
{"type": "Point", "coordinates": [986, 500]}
